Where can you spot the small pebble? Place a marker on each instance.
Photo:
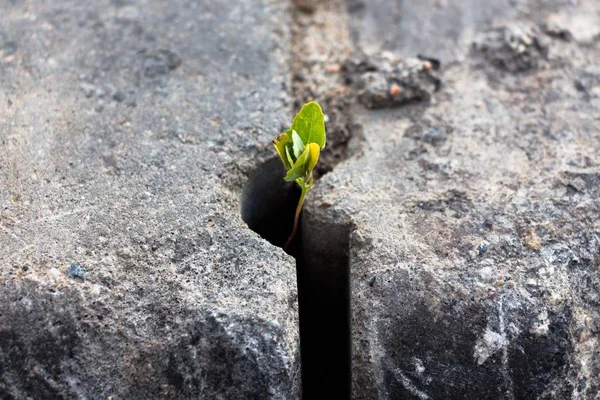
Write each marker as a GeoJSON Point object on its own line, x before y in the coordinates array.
{"type": "Point", "coordinates": [95, 290]}
{"type": "Point", "coordinates": [435, 136]}
{"type": "Point", "coordinates": [372, 281]}
{"type": "Point", "coordinates": [54, 274]}
{"type": "Point", "coordinates": [118, 96]}
{"type": "Point", "coordinates": [333, 68]}
{"type": "Point", "coordinates": [482, 248]}
{"type": "Point", "coordinates": [75, 270]}
{"type": "Point", "coordinates": [486, 274]}
{"type": "Point", "coordinates": [395, 90]}
{"type": "Point", "coordinates": [532, 283]}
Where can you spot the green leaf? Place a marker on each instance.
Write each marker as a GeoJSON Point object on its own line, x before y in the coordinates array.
{"type": "Point", "coordinates": [298, 144]}
{"type": "Point", "coordinates": [310, 124]}
{"type": "Point", "coordinates": [299, 148]}
{"type": "Point", "coordinates": [288, 154]}
{"type": "Point", "coordinates": [280, 145]}
{"type": "Point", "coordinates": [305, 164]}
{"type": "Point", "coordinates": [299, 170]}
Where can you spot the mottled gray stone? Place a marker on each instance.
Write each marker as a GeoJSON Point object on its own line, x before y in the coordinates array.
{"type": "Point", "coordinates": [514, 48]}
{"type": "Point", "coordinates": [469, 222]}
{"type": "Point", "coordinates": [472, 220]}
{"type": "Point", "coordinates": [75, 270]}
{"type": "Point", "coordinates": [389, 81]}
{"type": "Point", "coordinates": [127, 132]}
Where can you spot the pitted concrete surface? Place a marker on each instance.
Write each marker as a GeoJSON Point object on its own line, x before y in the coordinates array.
{"type": "Point", "coordinates": [127, 131]}
{"type": "Point", "coordinates": [474, 247]}
{"type": "Point", "coordinates": [469, 211]}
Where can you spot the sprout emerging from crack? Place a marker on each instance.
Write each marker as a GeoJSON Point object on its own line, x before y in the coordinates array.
{"type": "Point", "coordinates": [299, 148]}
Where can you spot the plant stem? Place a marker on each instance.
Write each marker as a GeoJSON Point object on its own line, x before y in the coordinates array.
{"type": "Point", "coordinates": [305, 189]}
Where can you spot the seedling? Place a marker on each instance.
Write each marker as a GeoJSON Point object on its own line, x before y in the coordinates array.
{"type": "Point", "coordinates": [299, 148]}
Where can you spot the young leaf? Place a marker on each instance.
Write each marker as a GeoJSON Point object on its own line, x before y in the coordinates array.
{"type": "Point", "coordinates": [299, 170]}
{"type": "Point", "coordinates": [280, 145]}
{"type": "Point", "coordinates": [288, 154]}
{"type": "Point", "coordinates": [298, 144]}
{"type": "Point", "coordinates": [310, 124]}
{"type": "Point", "coordinates": [299, 149]}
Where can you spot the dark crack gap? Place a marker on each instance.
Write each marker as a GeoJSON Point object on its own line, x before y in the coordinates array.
{"type": "Point", "coordinates": [321, 253]}
{"type": "Point", "coordinates": [321, 44]}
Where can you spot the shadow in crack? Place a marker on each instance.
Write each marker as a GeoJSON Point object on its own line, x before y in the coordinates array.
{"type": "Point", "coordinates": [321, 253]}
{"type": "Point", "coordinates": [269, 203]}
{"type": "Point", "coordinates": [324, 299]}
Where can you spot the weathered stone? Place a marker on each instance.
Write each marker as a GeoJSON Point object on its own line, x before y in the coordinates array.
{"type": "Point", "coordinates": [389, 81]}
{"type": "Point", "coordinates": [127, 132]}
{"type": "Point", "coordinates": [474, 249]}
{"type": "Point", "coordinates": [433, 28]}
{"type": "Point", "coordinates": [468, 223]}
{"type": "Point", "coordinates": [515, 48]}
{"type": "Point", "coordinates": [75, 270]}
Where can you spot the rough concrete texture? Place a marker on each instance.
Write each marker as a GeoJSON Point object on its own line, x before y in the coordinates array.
{"type": "Point", "coordinates": [474, 217]}
{"type": "Point", "coordinates": [127, 131]}
{"type": "Point", "coordinates": [468, 212]}
{"type": "Point", "coordinates": [388, 81]}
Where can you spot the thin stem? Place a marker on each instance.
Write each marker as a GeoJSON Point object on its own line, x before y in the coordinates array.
{"type": "Point", "coordinates": [305, 189]}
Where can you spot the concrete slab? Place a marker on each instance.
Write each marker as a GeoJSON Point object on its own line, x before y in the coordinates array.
{"type": "Point", "coordinates": [128, 130]}
{"type": "Point", "coordinates": [471, 219]}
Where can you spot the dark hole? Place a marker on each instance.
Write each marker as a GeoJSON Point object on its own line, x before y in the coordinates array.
{"type": "Point", "coordinates": [269, 203]}
{"type": "Point", "coordinates": [321, 253]}
{"type": "Point", "coordinates": [324, 305]}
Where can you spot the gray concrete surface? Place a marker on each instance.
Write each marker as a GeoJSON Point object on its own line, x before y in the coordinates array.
{"type": "Point", "coordinates": [467, 212]}
{"type": "Point", "coordinates": [473, 223]}
{"type": "Point", "coordinates": [127, 131]}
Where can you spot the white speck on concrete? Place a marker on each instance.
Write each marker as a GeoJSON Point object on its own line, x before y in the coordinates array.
{"type": "Point", "coordinates": [487, 345]}
{"type": "Point", "coordinates": [486, 274]}
{"type": "Point", "coordinates": [419, 367]}
{"type": "Point", "coordinates": [542, 325]}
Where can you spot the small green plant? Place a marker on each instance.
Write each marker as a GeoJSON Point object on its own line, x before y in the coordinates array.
{"type": "Point", "coordinates": [299, 149]}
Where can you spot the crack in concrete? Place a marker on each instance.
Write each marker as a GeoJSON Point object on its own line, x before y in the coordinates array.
{"type": "Point", "coordinates": [321, 45]}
